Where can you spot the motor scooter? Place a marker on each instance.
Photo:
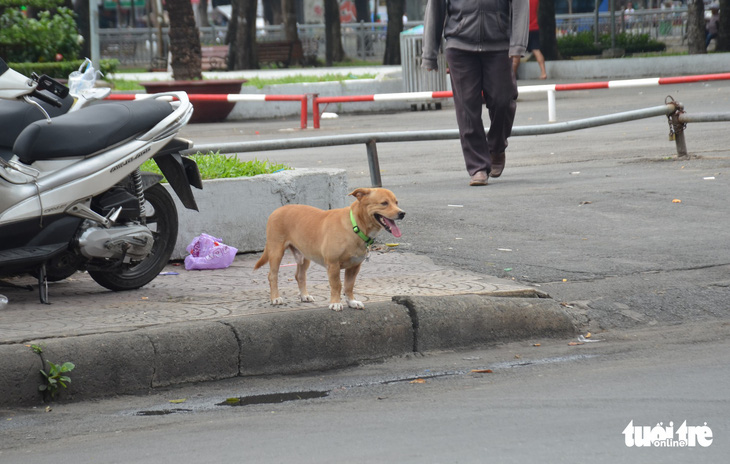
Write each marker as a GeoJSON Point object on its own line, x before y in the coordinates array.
{"type": "Point", "coordinates": [72, 196]}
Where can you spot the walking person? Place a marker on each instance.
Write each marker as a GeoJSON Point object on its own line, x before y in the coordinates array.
{"type": "Point", "coordinates": [533, 42]}
{"type": "Point", "coordinates": [482, 37]}
{"type": "Point", "coordinates": [712, 24]}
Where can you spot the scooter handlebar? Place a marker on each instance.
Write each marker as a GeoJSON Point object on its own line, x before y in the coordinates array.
{"type": "Point", "coordinates": [46, 98]}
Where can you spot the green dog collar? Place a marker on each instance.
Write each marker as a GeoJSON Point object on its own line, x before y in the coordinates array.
{"type": "Point", "coordinates": [368, 241]}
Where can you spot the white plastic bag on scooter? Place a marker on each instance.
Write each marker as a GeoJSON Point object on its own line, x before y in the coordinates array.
{"type": "Point", "coordinates": [84, 79]}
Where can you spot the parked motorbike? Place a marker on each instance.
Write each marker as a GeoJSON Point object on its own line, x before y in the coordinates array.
{"type": "Point", "coordinates": [72, 196]}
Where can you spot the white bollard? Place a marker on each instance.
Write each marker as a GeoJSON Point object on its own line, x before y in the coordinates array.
{"type": "Point", "coordinates": [552, 117]}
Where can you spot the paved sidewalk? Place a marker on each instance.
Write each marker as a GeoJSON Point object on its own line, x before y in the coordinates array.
{"type": "Point", "coordinates": [207, 325]}
{"type": "Point", "coordinates": [80, 306]}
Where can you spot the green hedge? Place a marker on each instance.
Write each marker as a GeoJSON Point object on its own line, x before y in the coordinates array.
{"type": "Point", "coordinates": [62, 69]}
{"type": "Point", "coordinates": [581, 44]}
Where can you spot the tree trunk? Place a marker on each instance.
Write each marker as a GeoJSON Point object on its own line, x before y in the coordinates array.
{"type": "Point", "coordinates": [722, 42]}
{"type": "Point", "coordinates": [203, 13]}
{"type": "Point", "coordinates": [241, 35]}
{"type": "Point", "coordinates": [81, 8]}
{"type": "Point", "coordinates": [396, 8]}
{"type": "Point", "coordinates": [184, 41]}
{"type": "Point", "coordinates": [273, 11]}
{"type": "Point", "coordinates": [362, 10]}
{"type": "Point", "coordinates": [696, 27]}
{"type": "Point", "coordinates": [333, 33]}
{"type": "Point", "coordinates": [548, 39]}
{"type": "Point", "coordinates": [289, 14]}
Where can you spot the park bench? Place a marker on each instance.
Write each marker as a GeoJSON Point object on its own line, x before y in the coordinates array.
{"type": "Point", "coordinates": [280, 53]}
{"type": "Point", "coordinates": [214, 57]}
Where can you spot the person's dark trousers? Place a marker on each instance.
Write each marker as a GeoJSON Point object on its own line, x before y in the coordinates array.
{"type": "Point", "coordinates": [474, 74]}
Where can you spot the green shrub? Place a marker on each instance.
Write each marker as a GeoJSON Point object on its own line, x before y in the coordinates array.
{"type": "Point", "coordinates": [582, 43]}
{"type": "Point", "coordinates": [579, 44]}
{"type": "Point", "coordinates": [634, 43]}
{"type": "Point", "coordinates": [62, 69]}
{"type": "Point", "coordinates": [41, 39]}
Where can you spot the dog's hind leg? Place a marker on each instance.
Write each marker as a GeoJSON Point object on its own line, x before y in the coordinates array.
{"type": "Point", "coordinates": [350, 276]}
{"type": "Point", "coordinates": [301, 275]}
{"type": "Point", "coordinates": [276, 253]}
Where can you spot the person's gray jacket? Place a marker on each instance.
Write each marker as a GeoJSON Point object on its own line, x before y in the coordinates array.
{"type": "Point", "coordinates": [475, 25]}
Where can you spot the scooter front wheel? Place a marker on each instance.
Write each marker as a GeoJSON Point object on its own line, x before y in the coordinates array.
{"type": "Point", "coordinates": [161, 216]}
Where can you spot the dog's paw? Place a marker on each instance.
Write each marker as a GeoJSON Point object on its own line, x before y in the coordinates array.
{"type": "Point", "coordinates": [277, 301]}
{"type": "Point", "coordinates": [336, 306]}
{"type": "Point", "coordinates": [306, 298]}
{"type": "Point", "coordinates": [355, 304]}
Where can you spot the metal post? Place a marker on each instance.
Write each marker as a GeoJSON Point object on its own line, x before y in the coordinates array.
{"type": "Point", "coordinates": [315, 110]}
{"type": "Point", "coordinates": [596, 32]}
{"type": "Point", "coordinates": [374, 163]}
{"type": "Point", "coordinates": [676, 127]}
{"type": "Point", "coordinates": [94, 48]}
{"type": "Point", "coordinates": [679, 139]}
{"type": "Point", "coordinates": [552, 116]}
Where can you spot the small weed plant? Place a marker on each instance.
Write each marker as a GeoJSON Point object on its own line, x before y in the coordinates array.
{"type": "Point", "coordinates": [217, 166]}
{"type": "Point", "coordinates": [56, 377]}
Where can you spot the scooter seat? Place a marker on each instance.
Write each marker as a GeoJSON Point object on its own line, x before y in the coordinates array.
{"type": "Point", "coordinates": [88, 130]}
{"type": "Point", "coordinates": [17, 115]}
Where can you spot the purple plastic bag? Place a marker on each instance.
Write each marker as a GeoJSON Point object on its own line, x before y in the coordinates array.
{"type": "Point", "coordinates": [207, 252]}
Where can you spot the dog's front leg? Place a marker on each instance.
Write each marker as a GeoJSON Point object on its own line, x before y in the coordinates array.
{"type": "Point", "coordinates": [350, 276]}
{"type": "Point", "coordinates": [333, 272]}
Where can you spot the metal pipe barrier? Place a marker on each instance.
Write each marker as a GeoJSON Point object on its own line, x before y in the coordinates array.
{"type": "Point", "coordinates": [673, 110]}
{"type": "Point", "coordinates": [232, 98]}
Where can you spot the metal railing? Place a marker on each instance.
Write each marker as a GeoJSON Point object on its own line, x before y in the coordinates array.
{"type": "Point", "coordinates": [658, 23]}
{"type": "Point", "coordinates": [138, 47]}
{"type": "Point", "coordinates": [674, 111]}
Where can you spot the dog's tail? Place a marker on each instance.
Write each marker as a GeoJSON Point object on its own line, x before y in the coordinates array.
{"type": "Point", "coordinates": [262, 260]}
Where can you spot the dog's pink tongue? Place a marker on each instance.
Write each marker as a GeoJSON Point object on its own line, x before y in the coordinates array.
{"type": "Point", "coordinates": [393, 228]}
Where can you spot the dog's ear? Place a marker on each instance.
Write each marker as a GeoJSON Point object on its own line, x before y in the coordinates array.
{"type": "Point", "coordinates": [360, 193]}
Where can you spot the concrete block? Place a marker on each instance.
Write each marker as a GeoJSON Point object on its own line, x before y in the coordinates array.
{"type": "Point", "coordinates": [461, 321]}
{"type": "Point", "coordinates": [193, 352]}
{"type": "Point", "coordinates": [385, 83]}
{"type": "Point", "coordinates": [628, 68]}
{"type": "Point", "coordinates": [20, 377]}
{"type": "Point", "coordinates": [236, 210]}
{"type": "Point", "coordinates": [106, 364]}
{"type": "Point", "coordinates": [319, 339]}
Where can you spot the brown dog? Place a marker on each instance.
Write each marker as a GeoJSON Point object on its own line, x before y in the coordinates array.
{"type": "Point", "coordinates": [336, 239]}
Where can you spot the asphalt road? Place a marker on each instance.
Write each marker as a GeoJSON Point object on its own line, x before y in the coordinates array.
{"type": "Point", "coordinates": [550, 403]}
{"type": "Point", "coordinates": [588, 216]}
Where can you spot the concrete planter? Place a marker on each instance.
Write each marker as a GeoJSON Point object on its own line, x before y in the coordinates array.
{"type": "Point", "coordinates": [204, 111]}
{"type": "Point", "coordinates": [236, 210]}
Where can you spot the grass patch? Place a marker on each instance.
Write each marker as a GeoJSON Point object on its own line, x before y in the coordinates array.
{"type": "Point", "coordinates": [217, 166]}
{"type": "Point", "coordinates": [298, 79]}
{"type": "Point", "coordinates": [131, 85]}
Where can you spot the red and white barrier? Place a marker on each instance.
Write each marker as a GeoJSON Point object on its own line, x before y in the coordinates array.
{"type": "Point", "coordinates": [405, 96]}
{"type": "Point", "coordinates": [550, 89]}
{"type": "Point", "coordinates": [626, 83]}
{"type": "Point", "coordinates": [232, 98]}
